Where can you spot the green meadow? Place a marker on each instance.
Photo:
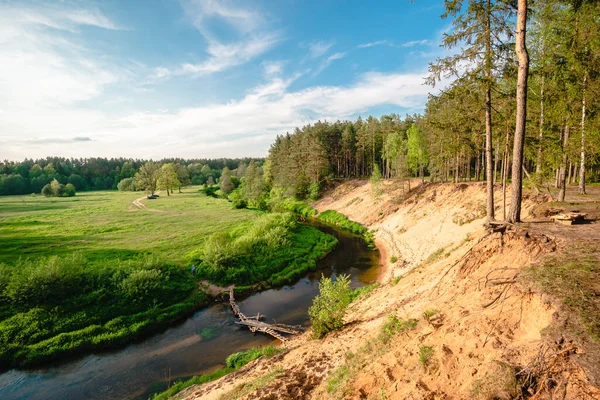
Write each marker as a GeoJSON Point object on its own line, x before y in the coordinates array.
{"type": "Point", "coordinates": [107, 225]}
{"type": "Point", "coordinates": [97, 270]}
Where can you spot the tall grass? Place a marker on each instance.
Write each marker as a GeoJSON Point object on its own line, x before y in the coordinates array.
{"type": "Point", "coordinates": [58, 306]}
{"type": "Point", "coordinates": [274, 249]}
{"type": "Point", "coordinates": [336, 218]}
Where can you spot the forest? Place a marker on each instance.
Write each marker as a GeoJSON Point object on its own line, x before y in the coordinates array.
{"type": "Point", "coordinates": [30, 176]}
{"type": "Point", "coordinates": [468, 130]}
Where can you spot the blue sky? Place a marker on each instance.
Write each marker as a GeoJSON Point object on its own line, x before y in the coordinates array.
{"type": "Point", "coordinates": [202, 78]}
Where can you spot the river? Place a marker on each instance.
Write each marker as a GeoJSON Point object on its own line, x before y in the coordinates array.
{"type": "Point", "coordinates": [198, 345]}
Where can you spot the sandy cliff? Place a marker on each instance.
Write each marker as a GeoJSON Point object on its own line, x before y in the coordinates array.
{"type": "Point", "coordinates": [478, 325]}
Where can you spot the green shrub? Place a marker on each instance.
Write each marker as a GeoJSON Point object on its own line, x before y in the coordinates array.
{"type": "Point", "coordinates": [329, 307]}
{"type": "Point", "coordinates": [393, 259]}
{"type": "Point", "coordinates": [141, 282]}
{"type": "Point", "coordinates": [396, 279]}
{"type": "Point", "coordinates": [69, 190]}
{"type": "Point", "coordinates": [239, 204]}
{"type": "Point", "coordinates": [126, 185]}
{"type": "Point", "coordinates": [335, 218]}
{"type": "Point", "coordinates": [47, 191]}
{"type": "Point", "coordinates": [274, 249]}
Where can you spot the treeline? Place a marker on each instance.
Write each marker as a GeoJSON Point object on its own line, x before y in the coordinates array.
{"type": "Point", "coordinates": [30, 176]}
{"type": "Point", "coordinates": [536, 110]}
{"type": "Point", "coordinates": [300, 162]}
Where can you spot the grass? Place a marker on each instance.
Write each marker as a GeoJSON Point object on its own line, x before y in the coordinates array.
{"type": "Point", "coordinates": [425, 355]}
{"type": "Point", "coordinates": [93, 271]}
{"type": "Point", "coordinates": [397, 279]}
{"type": "Point", "coordinates": [363, 292]}
{"type": "Point", "coordinates": [338, 219]}
{"type": "Point", "coordinates": [430, 313]}
{"type": "Point", "coordinates": [393, 325]}
{"type": "Point", "coordinates": [234, 361]}
{"type": "Point", "coordinates": [572, 278]}
{"type": "Point", "coordinates": [106, 225]}
{"type": "Point", "coordinates": [273, 249]}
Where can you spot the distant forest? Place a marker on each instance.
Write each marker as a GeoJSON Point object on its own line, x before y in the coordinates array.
{"type": "Point", "coordinates": [30, 176]}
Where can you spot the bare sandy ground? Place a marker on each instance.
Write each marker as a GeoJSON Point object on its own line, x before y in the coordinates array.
{"type": "Point", "coordinates": [475, 318]}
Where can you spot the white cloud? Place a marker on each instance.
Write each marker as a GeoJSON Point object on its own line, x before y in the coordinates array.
{"type": "Point", "coordinates": [318, 48]}
{"type": "Point", "coordinates": [371, 44]}
{"type": "Point", "coordinates": [412, 43]}
{"type": "Point", "coordinates": [235, 128]}
{"type": "Point", "coordinates": [40, 64]}
{"type": "Point", "coordinates": [272, 68]}
{"type": "Point", "coordinates": [252, 39]}
{"type": "Point", "coordinates": [328, 61]}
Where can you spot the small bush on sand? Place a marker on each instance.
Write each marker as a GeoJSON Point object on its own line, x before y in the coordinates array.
{"type": "Point", "coordinates": [329, 307]}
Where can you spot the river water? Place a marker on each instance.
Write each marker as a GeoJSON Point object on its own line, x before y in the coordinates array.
{"type": "Point", "coordinates": [198, 345]}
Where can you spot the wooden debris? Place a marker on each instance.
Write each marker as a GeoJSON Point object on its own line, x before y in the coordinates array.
{"type": "Point", "coordinates": [255, 325]}
{"type": "Point", "coordinates": [570, 218]}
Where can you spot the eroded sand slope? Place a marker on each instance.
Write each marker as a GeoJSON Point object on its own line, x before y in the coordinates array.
{"type": "Point", "coordinates": [477, 322]}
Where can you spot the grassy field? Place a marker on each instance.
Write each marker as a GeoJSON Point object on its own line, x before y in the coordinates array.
{"type": "Point", "coordinates": [107, 225]}
{"type": "Point", "coordinates": [101, 269]}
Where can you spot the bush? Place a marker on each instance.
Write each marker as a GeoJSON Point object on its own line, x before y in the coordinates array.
{"type": "Point", "coordinates": [69, 190]}
{"type": "Point", "coordinates": [47, 191]}
{"type": "Point", "coordinates": [329, 307]}
{"type": "Point", "coordinates": [141, 282]}
{"type": "Point", "coordinates": [126, 185]}
{"type": "Point", "coordinates": [239, 204]}
{"type": "Point", "coordinates": [57, 189]}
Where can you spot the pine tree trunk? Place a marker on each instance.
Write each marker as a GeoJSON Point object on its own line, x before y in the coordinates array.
{"type": "Point", "coordinates": [562, 184]}
{"type": "Point", "coordinates": [582, 166]}
{"type": "Point", "coordinates": [570, 173]}
{"type": "Point", "coordinates": [514, 214]}
{"type": "Point", "coordinates": [488, 114]}
{"type": "Point", "coordinates": [477, 166]}
{"type": "Point", "coordinates": [505, 171]}
{"type": "Point", "coordinates": [538, 167]}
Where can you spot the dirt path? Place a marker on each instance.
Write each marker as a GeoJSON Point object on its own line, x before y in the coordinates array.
{"type": "Point", "coordinates": [213, 290]}
{"type": "Point", "coordinates": [141, 206]}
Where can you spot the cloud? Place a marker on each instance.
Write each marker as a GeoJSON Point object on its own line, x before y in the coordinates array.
{"type": "Point", "coordinates": [49, 16]}
{"type": "Point", "coordinates": [248, 26]}
{"type": "Point", "coordinates": [271, 68]}
{"type": "Point", "coordinates": [224, 56]}
{"type": "Point", "coordinates": [46, 65]}
{"type": "Point", "coordinates": [318, 48]}
{"type": "Point", "coordinates": [81, 139]}
{"type": "Point", "coordinates": [239, 127]}
{"type": "Point", "coordinates": [412, 43]}
{"type": "Point", "coordinates": [371, 44]}
{"type": "Point", "coordinates": [328, 61]}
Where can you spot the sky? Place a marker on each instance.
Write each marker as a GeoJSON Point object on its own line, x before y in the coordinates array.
{"type": "Point", "coordinates": [203, 78]}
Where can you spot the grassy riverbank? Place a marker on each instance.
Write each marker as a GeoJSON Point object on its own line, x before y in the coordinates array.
{"type": "Point", "coordinates": [97, 271]}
